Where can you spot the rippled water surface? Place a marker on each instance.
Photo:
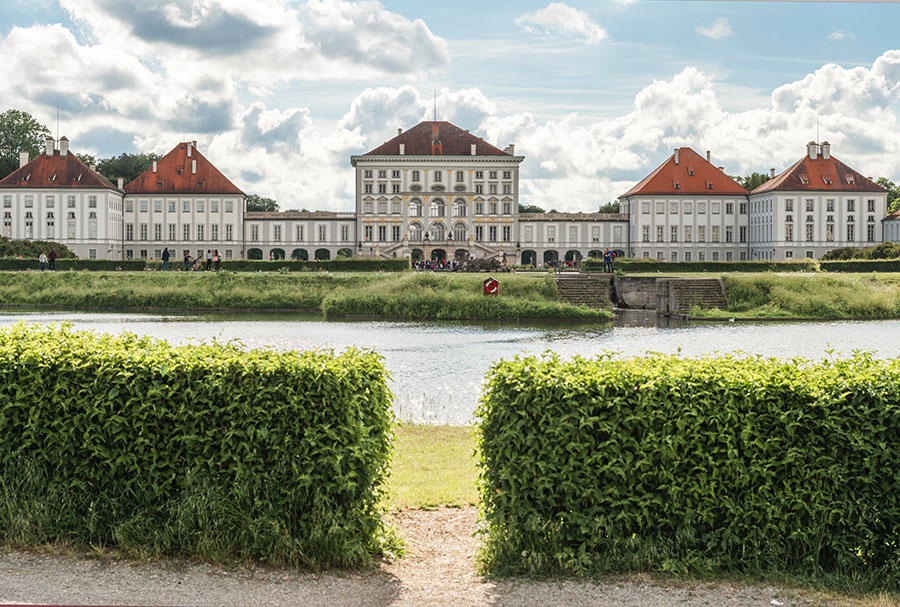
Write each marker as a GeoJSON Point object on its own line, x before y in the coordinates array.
{"type": "Point", "coordinates": [437, 367]}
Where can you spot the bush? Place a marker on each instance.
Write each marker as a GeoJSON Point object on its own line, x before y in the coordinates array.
{"type": "Point", "coordinates": [883, 250]}
{"type": "Point", "coordinates": [692, 465]}
{"type": "Point", "coordinates": [12, 263]}
{"type": "Point", "coordinates": [341, 264]}
{"type": "Point", "coordinates": [862, 265]}
{"type": "Point", "coordinates": [32, 249]}
{"type": "Point", "coordinates": [207, 450]}
{"type": "Point", "coordinates": [653, 265]}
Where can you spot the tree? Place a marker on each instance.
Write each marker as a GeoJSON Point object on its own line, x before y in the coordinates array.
{"type": "Point", "coordinates": [19, 132]}
{"type": "Point", "coordinates": [753, 181]}
{"type": "Point", "coordinates": [88, 159]}
{"type": "Point", "coordinates": [126, 166]}
{"type": "Point", "coordinates": [609, 207]}
{"type": "Point", "coordinates": [893, 197]}
{"type": "Point", "coordinates": [530, 208]}
{"type": "Point", "coordinates": [255, 202]}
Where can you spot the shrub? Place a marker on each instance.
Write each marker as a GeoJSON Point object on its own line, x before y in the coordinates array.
{"type": "Point", "coordinates": [206, 450]}
{"type": "Point", "coordinates": [692, 465]}
{"type": "Point", "coordinates": [653, 265]}
{"type": "Point", "coordinates": [32, 249]}
{"type": "Point", "coordinates": [862, 265]}
{"type": "Point", "coordinates": [341, 264]}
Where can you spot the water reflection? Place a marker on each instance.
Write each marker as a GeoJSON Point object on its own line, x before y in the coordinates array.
{"type": "Point", "coordinates": [437, 368]}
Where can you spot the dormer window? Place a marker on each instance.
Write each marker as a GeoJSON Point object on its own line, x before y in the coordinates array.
{"type": "Point", "coordinates": [179, 170]}
{"type": "Point", "coordinates": [79, 177]}
{"type": "Point", "coordinates": [199, 184]}
{"type": "Point", "coordinates": [26, 177]}
{"type": "Point", "coordinates": [676, 185]}
{"type": "Point", "coordinates": [851, 179]}
{"type": "Point", "coordinates": [709, 186]}
{"type": "Point", "coordinates": [53, 177]}
{"type": "Point", "coordinates": [804, 179]}
{"type": "Point", "coordinates": [690, 171]}
{"type": "Point", "coordinates": [826, 179]}
{"type": "Point", "coordinates": [159, 184]}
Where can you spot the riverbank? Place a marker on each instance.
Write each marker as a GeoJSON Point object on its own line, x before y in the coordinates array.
{"type": "Point", "coordinates": [808, 296]}
{"type": "Point", "coordinates": [408, 295]}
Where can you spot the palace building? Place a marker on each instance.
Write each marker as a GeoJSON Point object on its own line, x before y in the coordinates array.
{"type": "Point", "coordinates": [435, 191]}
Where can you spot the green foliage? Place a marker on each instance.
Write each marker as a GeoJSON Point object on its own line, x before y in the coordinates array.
{"type": "Point", "coordinates": [609, 207]}
{"type": "Point", "coordinates": [862, 265]}
{"type": "Point", "coordinates": [19, 132]}
{"type": "Point", "coordinates": [210, 451]}
{"type": "Point", "coordinates": [255, 202]}
{"type": "Point", "coordinates": [692, 465]}
{"type": "Point", "coordinates": [126, 166]}
{"type": "Point", "coordinates": [530, 208]}
{"type": "Point", "coordinates": [30, 250]}
{"type": "Point", "coordinates": [753, 181]}
{"type": "Point", "coordinates": [456, 297]}
{"type": "Point", "coordinates": [339, 264]}
{"type": "Point", "coordinates": [652, 265]}
{"type": "Point", "coordinates": [883, 250]}
{"type": "Point", "coordinates": [893, 195]}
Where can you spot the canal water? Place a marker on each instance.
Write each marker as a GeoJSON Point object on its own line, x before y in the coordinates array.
{"type": "Point", "coordinates": [437, 368]}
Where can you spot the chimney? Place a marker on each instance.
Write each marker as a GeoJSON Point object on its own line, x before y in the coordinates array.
{"type": "Point", "coordinates": [771, 173]}
{"type": "Point", "coordinates": [48, 146]}
{"type": "Point", "coordinates": [194, 142]}
{"type": "Point", "coordinates": [121, 183]}
{"type": "Point", "coordinates": [194, 166]}
{"type": "Point", "coordinates": [472, 149]}
{"type": "Point", "coordinates": [511, 148]}
{"type": "Point", "coordinates": [189, 149]}
{"type": "Point", "coordinates": [676, 155]}
{"type": "Point", "coordinates": [721, 169]}
{"type": "Point", "coordinates": [826, 150]}
{"type": "Point", "coordinates": [63, 146]}
{"type": "Point", "coordinates": [402, 149]}
{"type": "Point", "coordinates": [708, 156]}
{"type": "Point", "coordinates": [399, 131]}
{"type": "Point", "coordinates": [812, 149]}
{"type": "Point", "coordinates": [436, 149]}
{"type": "Point", "coordinates": [154, 166]}
{"type": "Point", "coordinates": [23, 158]}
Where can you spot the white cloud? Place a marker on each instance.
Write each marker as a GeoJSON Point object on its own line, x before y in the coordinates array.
{"type": "Point", "coordinates": [840, 35]}
{"type": "Point", "coordinates": [561, 19]}
{"type": "Point", "coordinates": [719, 29]}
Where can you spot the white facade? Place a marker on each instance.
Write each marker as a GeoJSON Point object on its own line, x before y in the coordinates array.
{"type": "Point", "coordinates": [570, 237]}
{"type": "Point", "coordinates": [300, 235]}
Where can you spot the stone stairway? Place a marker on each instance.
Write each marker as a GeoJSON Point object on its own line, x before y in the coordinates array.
{"type": "Point", "coordinates": [686, 292]}
{"type": "Point", "coordinates": [582, 290]}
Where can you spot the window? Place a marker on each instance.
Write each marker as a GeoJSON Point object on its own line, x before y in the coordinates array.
{"type": "Point", "coordinates": [92, 229]}
{"type": "Point", "coordinates": [851, 207]}
{"type": "Point", "coordinates": [673, 236]}
{"type": "Point", "coordinates": [415, 175]}
{"type": "Point", "coordinates": [438, 175]}
{"type": "Point", "coordinates": [479, 189]}
{"type": "Point", "coordinates": [742, 234]}
{"type": "Point", "coordinates": [254, 233]}
{"type": "Point", "coordinates": [382, 233]}
{"type": "Point", "coordinates": [789, 232]}
{"type": "Point", "coordinates": [229, 232]}
{"type": "Point", "coordinates": [200, 232]}
{"type": "Point", "coordinates": [229, 206]}
{"type": "Point", "coordinates": [395, 233]}
{"type": "Point", "coordinates": [660, 207]}
{"type": "Point", "coordinates": [368, 233]}
{"type": "Point", "coordinates": [743, 255]}
{"type": "Point", "coordinates": [142, 206]}
{"type": "Point", "coordinates": [645, 207]}
{"type": "Point", "coordinates": [660, 234]}
{"type": "Point", "coordinates": [214, 206]}
{"type": "Point", "coordinates": [788, 254]}
{"type": "Point", "coordinates": [276, 233]}
{"type": "Point", "coordinates": [573, 233]}
{"type": "Point", "coordinates": [395, 174]}
{"type": "Point", "coordinates": [479, 174]}
{"type": "Point", "coordinates": [395, 207]}
{"type": "Point", "coordinates": [829, 205]}
{"type": "Point", "coordinates": [171, 231]}
{"type": "Point", "coordinates": [143, 253]}
{"type": "Point", "coordinates": [809, 254]}
{"type": "Point", "coordinates": [345, 232]}
{"type": "Point", "coordinates": [395, 188]}
{"type": "Point", "coordinates": [492, 233]}
{"type": "Point", "coordinates": [507, 189]}
{"type": "Point", "coordinates": [809, 232]}
{"type": "Point", "coordinates": [157, 231]}
{"type": "Point", "coordinates": [742, 208]}
{"type": "Point", "coordinates": [186, 231]}
{"type": "Point", "coordinates": [715, 233]}
{"type": "Point", "coordinates": [479, 233]}
{"type": "Point", "coordinates": [143, 231]}
{"type": "Point", "coordinates": [701, 256]}
{"type": "Point", "coordinates": [382, 188]}
{"type": "Point", "coordinates": [50, 202]}
{"type": "Point", "coordinates": [298, 231]}
{"type": "Point", "coordinates": [492, 175]}
{"type": "Point", "coordinates": [660, 256]}
{"type": "Point", "coordinates": [493, 208]}
{"type": "Point", "coordinates": [479, 208]}
{"type": "Point", "coordinates": [92, 202]}
{"type": "Point", "coordinates": [529, 233]}
{"type": "Point", "coordinates": [687, 234]}
{"type": "Point", "coordinates": [367, 174]}
{"type": "Point", "coordinates": [323, 233]}
{"type": "Point", "coordinates": [870, 232]}
{"type": "Point", "coordinates": [507, 174]}
{"type": "Point", "coordinates": [29, 201]}
{"type": "Point", "coordinates": [701, 234]}
{"type": "Point", "coordinates": [688, 208]}
{"type": "Point", "coordinates": [729, 208]}
{"type": "Point", "coordinates": [551, 233]}
{"type": "Point", "coordinates": [382, 206]}
{"type": "Point", "coordinates": [157, 206]}
{"type": "Point", "coordinates": [673, 207]}
{"type": "Point", "coordinates": [186, 206]}
{"type": "Point", "coordinates": [646, 255]}
{"type": "Point", "coordinates": [729, 234]}
{"type": "Point", "coordinates": [129, 231]}
{"type": "Point", "coordinates": [70, 229]}
{"type": "Point", "coordinates": [701, 208]}
{"type": "Point", "coordinates": [645, 233]}
{"type": "Point", "coordinates": [789, 205]}
{"type": "Point", "coordinates": [809, 204]}
{"type": "Point", "coordinates": [7, 202]}
{"type": "Point", "coordinates": [492, 189]}
{"type": "Point", "coordinates": [617, 233]}
{"type": "Point", "coordinates": [367, 206]}
{"type": "Point", "coordinates": [715, 256]}
{"type": "Point", "coordinates": [507, 208]}
{"type": "Point", "coordinates": [829, 232]}
{"type": "Point", "coordinates": [595, 233]}
{"type": "Point", "coordinates": [673, 255]}
{"type": "Point", "coordinates": [716, 207]}
{"type": "Point", "coordinates": [687, 255]}
{"type": "Point", "coordinates": [92, 253]}
{"type": "Point", "coordinates": [507, 233]}
{"type": "Point", "coordinates": [870, 205]}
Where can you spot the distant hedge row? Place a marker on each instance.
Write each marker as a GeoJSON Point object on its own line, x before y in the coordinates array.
{"type": "Point", "coordinates": [175, 264]}
{"type": "Point", "coordinates": [199, 450]}
{"type": "Point", "coordinates": [711, 464]}
{"type": "Point", "coordinates": [653, 265]}
{"type": "Point", "coordinates": [31, 248]}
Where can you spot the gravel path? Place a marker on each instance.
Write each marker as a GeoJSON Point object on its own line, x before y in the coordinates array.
{"type": "Point", "coordinates": [437, 570]}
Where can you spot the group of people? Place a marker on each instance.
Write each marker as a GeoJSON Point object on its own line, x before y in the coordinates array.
{"type": "Point", "coordinates": [212, 259]}
{"type": "Point", "coordinates": [48, 260]}
{"type": "Point", "coordinates": [435, 264]}
{"type": "Point", "coordinates": [609, 260]}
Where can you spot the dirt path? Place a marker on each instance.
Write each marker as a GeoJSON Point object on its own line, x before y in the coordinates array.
{"type": "Point", "coordinates": [437, 570]}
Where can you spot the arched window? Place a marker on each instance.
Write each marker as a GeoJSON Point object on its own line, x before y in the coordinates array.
{"type": "Point", "coordinates": [459, 208]}
{"type": "Point", "coordinates": [438, 231]}
{"type": "Point", "coordinates": [437, 208]}
{"type": "Point", "coordinates": [415, 232]}
{"type": "Point", "coordinates": [415, 208]}
{"type": "Point", "coordinates": [459, 232]}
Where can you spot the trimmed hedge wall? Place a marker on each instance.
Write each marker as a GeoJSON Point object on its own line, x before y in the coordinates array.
{"type": "Point", "coordinates": [652, 265]}
{"type": "Point", "coordinates": [206, 450]}
{"type": "Point", "coordinates": [711, 464]}
{"type": "Point", "coordinates": [12, 263]}
{"type": "Point", "coordinates": [136, 265]}
{"type": "Point", "coordinates": [861, 265]}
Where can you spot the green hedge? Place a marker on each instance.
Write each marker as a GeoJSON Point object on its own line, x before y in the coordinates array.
{"type": "Point", "coordinates": [206, 450]}
{"type": "Point", "coordinates": [32, 248]}
{"type": "Point", "coordinates": [653, 265]}
{"type": "Point", "coordinates": [12, 263]}
{"type": "Point", "coordinates": [861, 265]}
{"type": "Point", "coordinates": [136, 265]}
{"type": "Point", "coordinates": [883, 250]}
{"type": "Point", "coordinates": [712, 464]}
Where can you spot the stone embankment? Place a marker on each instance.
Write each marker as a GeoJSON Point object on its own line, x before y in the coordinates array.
{"type": "Point", "coordinates": [668, 296]}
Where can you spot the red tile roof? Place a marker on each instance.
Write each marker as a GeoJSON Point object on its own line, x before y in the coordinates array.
{"type": "Point", "coordinates": [56, 171]}
{"type": "Point", "coordinates": [454, 141]}
{"type": "Point", "coordinates": [820, 175]}
{"type": "Point", "coordinates": [174, 175]}
{"type": "Point", "coordinates": [692, 175]}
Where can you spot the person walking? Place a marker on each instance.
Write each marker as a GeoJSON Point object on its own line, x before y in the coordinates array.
{"type": "Point", "coordinates": [165, 258]}
{"type": "Point", "coordinates": [43, 261]}
{"type": "Point", "coordinates": [187, 261]}
{"type": "Point", "coordinates": [52, 259]}
{"type": "Point", "coordinates": [606, 261]}
{"type": "Point", "coordinates": [216, 259]}
{"type": "Point", "coordinates": [208, 259]}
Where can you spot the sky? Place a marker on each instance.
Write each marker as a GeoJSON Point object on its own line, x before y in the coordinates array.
{"type": "Point", "coordinates": [594, 94]}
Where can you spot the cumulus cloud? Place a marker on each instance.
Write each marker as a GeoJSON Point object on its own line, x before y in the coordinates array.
{"type": "Point", "coordinates": [840, 35]}
{"type": "Point", "coordinates": [561, 19]}
{"type": "Point", "coordinates": [719, 29]}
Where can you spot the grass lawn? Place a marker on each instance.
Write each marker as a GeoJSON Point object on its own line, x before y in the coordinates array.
{"type": "Point", "coordinates": [433, 466]}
